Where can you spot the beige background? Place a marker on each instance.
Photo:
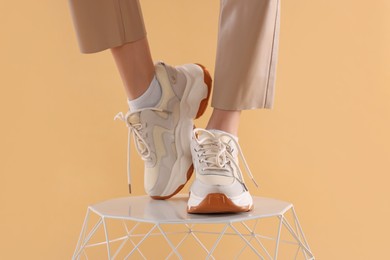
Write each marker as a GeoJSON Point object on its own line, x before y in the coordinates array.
{"type": "Point", "coordinates": [324, 147]}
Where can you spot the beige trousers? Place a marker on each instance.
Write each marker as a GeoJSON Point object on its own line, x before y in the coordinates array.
{"type": "Point", "coordinates": [246, 51]}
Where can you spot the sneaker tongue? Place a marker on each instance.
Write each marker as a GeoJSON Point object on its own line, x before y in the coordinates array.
{"type": "Point", "coordinates": [224, 137]}
{"type": "Point", "coordinates": [203, 135]}
{"type": "Point", "coordinates": [230, 140]}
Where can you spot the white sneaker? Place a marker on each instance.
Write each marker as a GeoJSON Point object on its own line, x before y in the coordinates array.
{"type": "Point", "coordinates": [219, 185]}
{"type": "Point", "coordinates": [162, 134]}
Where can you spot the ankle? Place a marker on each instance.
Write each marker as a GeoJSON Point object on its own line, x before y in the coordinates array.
{"type": "Point", "coordinates": [225, 120]}
{"type": "Point", "coordinates": [149, 98]}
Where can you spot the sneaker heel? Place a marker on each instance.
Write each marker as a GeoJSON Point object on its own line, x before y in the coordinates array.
{"type": "Point", "coordinates": [208, 81]}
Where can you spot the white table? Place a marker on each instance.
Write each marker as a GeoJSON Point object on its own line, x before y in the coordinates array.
{"type": "Point", "coordinates": [160, 216]}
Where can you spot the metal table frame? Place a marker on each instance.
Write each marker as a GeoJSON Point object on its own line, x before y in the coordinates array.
{"type": "Point", "coordinates": [160, 214]}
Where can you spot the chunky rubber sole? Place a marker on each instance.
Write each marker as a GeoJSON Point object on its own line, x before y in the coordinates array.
{"type": "Point", "coordinates": [217, 203]}
{"type": "Point", "coordinates": [202, 108]}
{"type": "Point", "coordinates": [208, 81]}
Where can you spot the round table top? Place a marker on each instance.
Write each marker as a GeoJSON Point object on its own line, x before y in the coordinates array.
{"type": "Point", "coordinates": [174, 210]}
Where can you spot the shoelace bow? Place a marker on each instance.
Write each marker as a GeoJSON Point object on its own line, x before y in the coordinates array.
{"type": "Point", "coordinates": [141, 145]}
{"type": "Point", "coordinates": [217, 154]}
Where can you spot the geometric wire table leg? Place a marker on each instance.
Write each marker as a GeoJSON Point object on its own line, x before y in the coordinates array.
{"type": "Point", "coordinates": [296, 233]}
{"type": "Point", "coordinates": [281, 217]}
{"type": "Point", "coordinates": [82, 233]}
{"type": "Point", "coordinates": [85, 240]}
{"type": "Point", "coordinates": [128, 234]}
{"type": "Point", "coordinates": [246, 231]}
{"type": "Point", "coordinates": [107, 239]}
{"type": "Point", "coordinates": [169, 242]}
{"type": "Point", "coordinates": [217, 241]}
{"type": "Point", "coordinates": [253, 235]}
{"type": "Point", "coordinates": [142, 240]}
{"type": "Point", "coordinates": [199, 241]}
{"type": "Point", "coordinates": [301, 231]}
{"type": "Point", "coordinates": [179, 244]}
{"type": "Point", "coordinates": [299, 236]}
{"type": "Point", "coordinates": [124, 240]}
{"type": "Point", "coordinates": [289, 228]}
{"type": "Point", "coordinates": [246, 241]}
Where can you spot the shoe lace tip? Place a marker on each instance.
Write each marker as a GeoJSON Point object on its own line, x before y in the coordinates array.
{"type": "Point", "coordinates": [119, 116]}
{"type": "Point", "coordinates": [130, 188]}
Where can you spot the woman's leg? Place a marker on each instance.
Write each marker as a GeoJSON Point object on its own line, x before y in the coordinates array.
{"type": "Point", "coordinates": [244, 79]}
{"type": "Point", "coordinates": [135, 65]}
{"type": "Point", "coordinates": [225, 120]}
{"type": "Point", "coordinates": [119, 26]}
{"type": "Point", "coordinates": [162, 102]}
{"type": "Point", "coordinates": [245, 68]}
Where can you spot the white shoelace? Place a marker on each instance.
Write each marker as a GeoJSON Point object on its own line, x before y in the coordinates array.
{"type": "Point", "coordinates": [217, 154]}
{"type": "Point", "coordinates": [140, 143]}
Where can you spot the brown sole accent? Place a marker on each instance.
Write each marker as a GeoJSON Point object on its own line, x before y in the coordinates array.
{"type": "Point", "coordinates": [217, 203]}
{"type": "Point", "coordinates": [189, 174]}
{"type": "Point", "coordinates": [208, 81]}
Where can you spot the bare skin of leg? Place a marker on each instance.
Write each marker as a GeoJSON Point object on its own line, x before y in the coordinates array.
{"type": "Point", "coordinates": [135, 66]}
{"type": "Point", "coordinates": [225, 120]}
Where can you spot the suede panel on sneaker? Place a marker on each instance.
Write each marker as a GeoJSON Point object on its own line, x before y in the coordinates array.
{"type": "Point", "coordinates": [159, 172]}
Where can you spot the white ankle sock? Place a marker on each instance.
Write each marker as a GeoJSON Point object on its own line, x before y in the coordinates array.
{"type": "Point", "coordinates": [148, 99]}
